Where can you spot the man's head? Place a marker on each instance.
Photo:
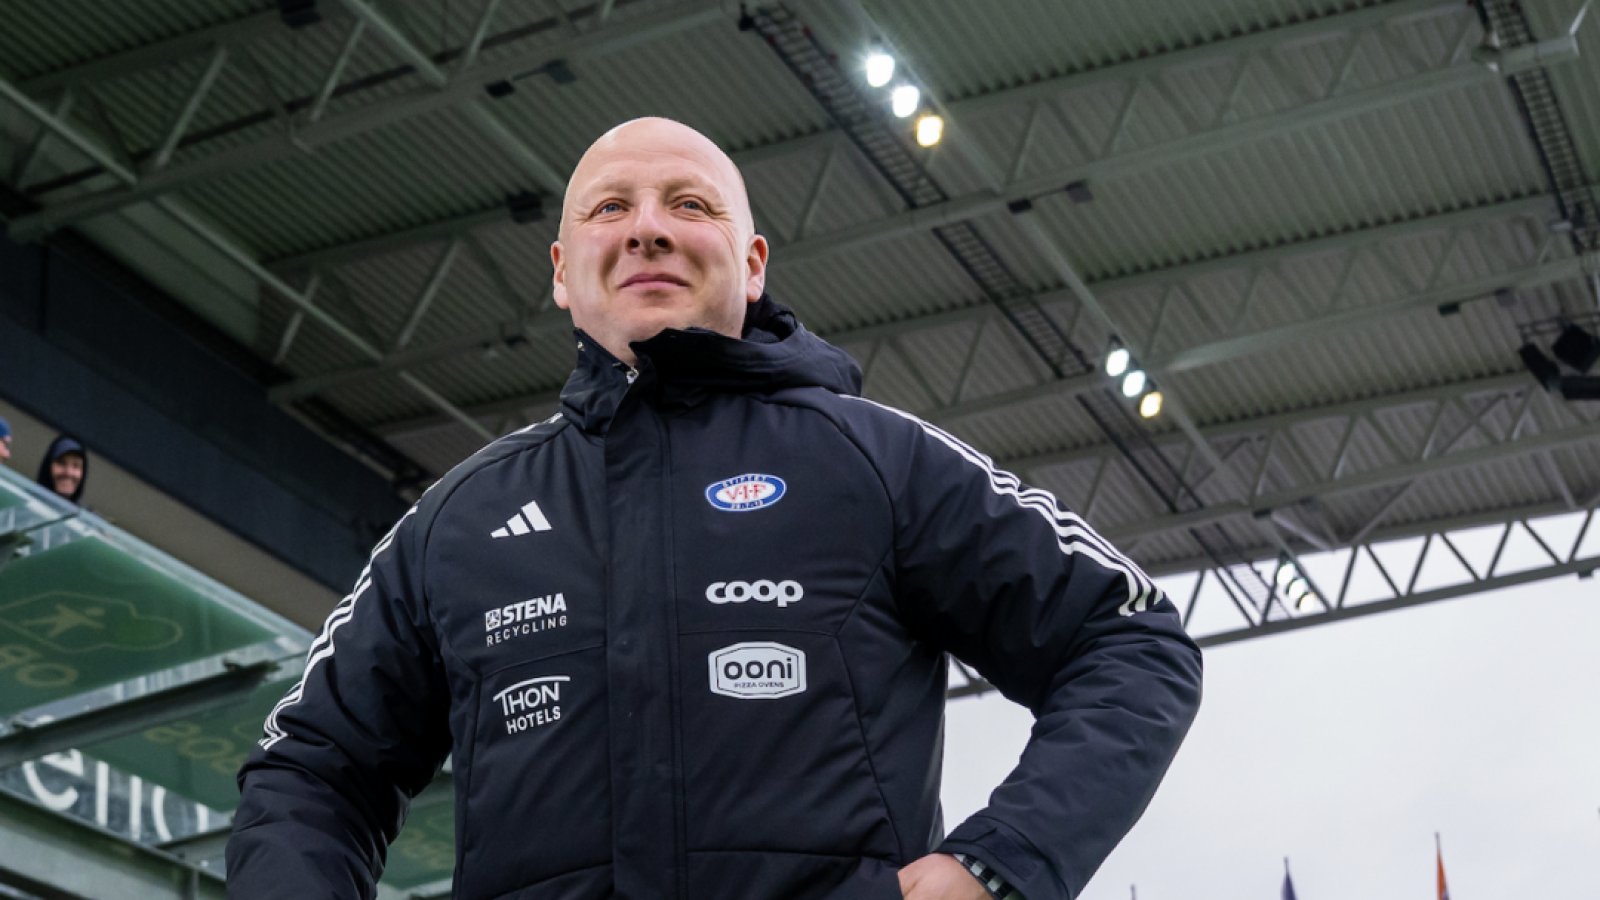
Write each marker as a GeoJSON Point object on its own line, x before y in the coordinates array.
{"type": "Point", "coordinates": [64, 466]}
{"type": "Point", "coordinates": [656, 233]}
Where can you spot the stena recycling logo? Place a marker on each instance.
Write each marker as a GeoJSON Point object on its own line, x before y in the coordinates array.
{"type": "Point", "coordinates": [743, 493]}
{"type": "Point", "coordinates": [758, 670]}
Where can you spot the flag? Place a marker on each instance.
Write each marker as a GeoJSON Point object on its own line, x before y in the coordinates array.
{"type": "Point", "coordinates": [1288, 883]}
{"type": "Point", "coordinates": [1444, 889]}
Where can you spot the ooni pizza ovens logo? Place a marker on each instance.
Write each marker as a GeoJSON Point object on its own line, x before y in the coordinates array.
{"type": "Point", "coordinates": [758, 670]}
{"type": "Point", "coordinates": [743, 493]}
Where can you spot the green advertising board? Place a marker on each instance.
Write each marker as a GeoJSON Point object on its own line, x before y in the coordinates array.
{"type": "Point", "coordinates": [196, 757]}
{"type": "Point", "coordinates": [86, 614]}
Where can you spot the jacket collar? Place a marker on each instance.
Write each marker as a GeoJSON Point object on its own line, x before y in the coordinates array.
{"type": "Point", "coordinates": [683, 367]}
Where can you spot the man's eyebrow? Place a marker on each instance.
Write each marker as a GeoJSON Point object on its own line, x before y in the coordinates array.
{"type": "Point", "coordinates": [622, 187]}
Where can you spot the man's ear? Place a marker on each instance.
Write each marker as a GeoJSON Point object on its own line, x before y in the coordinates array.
{"type": "Point", "coordinates": [756, 265]}
{"type": "Point", "coordinates": [558, 279]}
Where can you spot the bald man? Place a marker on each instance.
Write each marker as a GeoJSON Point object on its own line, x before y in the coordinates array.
{"type": "Point", "coordinates": [687, 637]}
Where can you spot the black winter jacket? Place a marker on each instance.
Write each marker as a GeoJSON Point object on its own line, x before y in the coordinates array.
{"type": "Point", "coordinates": [687, 639]}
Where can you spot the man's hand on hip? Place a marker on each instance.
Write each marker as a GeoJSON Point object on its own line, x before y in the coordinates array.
{"type": "Point", "coordinates": [938, 876]}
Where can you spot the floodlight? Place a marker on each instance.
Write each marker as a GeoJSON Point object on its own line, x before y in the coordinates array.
{"type": "Point", "coordinates": [1577, 348]}
{"type": "Point", "coordinates": [1304, 599]}
{"type": "Point", "coordinates": [880, 68]}
{"type": "Point", "coordinates": [1286, 574]}
{"type": "Point", "coordinates": [1150, 405]}
{"type": "Point", "coordinates": [904, 99]}
{"type": "Point", "coordinates": [929, 130]}
{"type": "Point", "coordinates": [1544, 370]}
{"type": "Point", "coordinates": [1133, 384]}
{"type": "Point", "coordinates": [1117, 361]}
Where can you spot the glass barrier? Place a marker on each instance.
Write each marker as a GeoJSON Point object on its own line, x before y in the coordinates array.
{"type": "Point", "coordinates": [91, 617]}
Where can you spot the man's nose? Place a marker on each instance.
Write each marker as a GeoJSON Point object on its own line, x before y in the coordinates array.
{"type": "Point", "coordinates": [650, 233]}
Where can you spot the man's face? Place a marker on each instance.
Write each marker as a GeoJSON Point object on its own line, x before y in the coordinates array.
{"type": "Point", "coordinates": [656, 233]}
{"type": "Point", "coordinates": [66, 473]}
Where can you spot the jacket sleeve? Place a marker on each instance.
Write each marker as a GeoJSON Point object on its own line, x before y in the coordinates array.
{"type": "Point", "coordinates": [1011, 583]}
{"type": "Point", "coordinates": [327, 787]}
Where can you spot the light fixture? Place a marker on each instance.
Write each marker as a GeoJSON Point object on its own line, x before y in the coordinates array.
{"type": "Point", "coordinates": [929, 130]}
{"type": "Point", "coordinates": [1150, 404]}
{"type": "Point", "coordinates": [1577, 347]}
{"type": "Point", "coordinates": [1544, 370]}
{"type": "Point", "coordinates": [1133, 384]}
{"type": "Point", "coordinates": [1580, 387]}
{"type": "Point", "coordinates": [1117, 361]}
{"type": "Point", "coordinates": [903, 100]}
{"type": "Point", "coordinates": [880, 68]}
{"type": "Point", "coordinates": [1286, 574]}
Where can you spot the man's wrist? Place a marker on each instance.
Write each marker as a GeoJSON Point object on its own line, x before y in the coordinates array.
{"type": "Point", "coordinates": [989, 878]}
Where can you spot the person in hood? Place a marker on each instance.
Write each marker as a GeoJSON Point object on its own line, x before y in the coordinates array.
{"type": "Point", "coordinates": [65, 467]}
{"type": "Point", "coordinates": [687, 637]}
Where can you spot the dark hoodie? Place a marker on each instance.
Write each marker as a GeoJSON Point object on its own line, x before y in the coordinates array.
{"type": "Point", "coordinates": [61, 446]}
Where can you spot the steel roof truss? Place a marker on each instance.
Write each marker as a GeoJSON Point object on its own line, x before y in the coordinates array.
{"type": "Point", "coordinates": [1353, 245]}
{"type": "Point", "coordinates": [30, 155]}
{"type": "Point", "coordinates": [225, 245]}
{"type": "Point", "coordinates": [185, 113]}
{"type": "Point", "coordinates": [319, 104]}
{"type": "Point", "coordinates": [444, 92]}
{"type": "Point", "coordinates": [1536, 424]}
{"type": "Point", "coordinates": [1400, 582]}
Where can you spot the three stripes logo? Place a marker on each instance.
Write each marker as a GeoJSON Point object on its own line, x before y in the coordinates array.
{"type": "Point", "coordinates": [528, 519]}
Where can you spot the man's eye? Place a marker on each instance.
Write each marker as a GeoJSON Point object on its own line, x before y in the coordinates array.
{"type": "Point", "coordinates": [609, 207]}
{"type": "Point", "coordinates": [694, 205]}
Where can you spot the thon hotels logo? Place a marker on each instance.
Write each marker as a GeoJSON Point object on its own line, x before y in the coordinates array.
{"type": "Point", "coordinates": [757, 670]}
{"type": "Point", "coordinates": [531, 704]}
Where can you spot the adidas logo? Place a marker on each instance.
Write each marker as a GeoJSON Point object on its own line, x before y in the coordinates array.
{"type": "Point", "coordinates": [529, 518]}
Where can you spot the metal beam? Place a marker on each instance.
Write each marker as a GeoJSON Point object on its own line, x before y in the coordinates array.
{"type": "Point", "coordinates": [379, 244]}
{"type": "Point", "coordinates": [501, 335]}
{"type": "Point", "coordinates": [453, 93]}
{"type": "Point", "coordinates": [128, 716]}
{"type": "Point", "coordinates": [232, 251]}
{"type": "Point", "coordinates": [981, 203]}
{"type": "Point", "coordinates": [1585, 566]}
{"type": "Point", "coordinates": [1297, 33]}
{"type": "Point", "coordinates": [1402, 593]}
{"type": "Point", "coordinates": [1571, 564]}
{"type": "Point", "coordinates": [1264, 424]}
{"type": "Point", "coordinates": [1379, 477]}
{"type": "Point", "coordinates": [191, 105]}
{"type": "Point", "coordinates": [243, 30]}
{"type": "Point", "coordinates": [1391, 533]}
{"type": "Point", "coordinates": [55, 856]}
{"type": "Point", "coordinates": [471, 105]}
{"type": "Point", "coordinates": [831, 141]}
{"type": "Point", "coordinates": [1265, 257]}
{"type": "Point", "coordinates": [1271, 339]}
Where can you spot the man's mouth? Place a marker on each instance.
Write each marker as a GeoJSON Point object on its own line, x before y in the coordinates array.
{"type": "Point", "coordinates": [654, 279]}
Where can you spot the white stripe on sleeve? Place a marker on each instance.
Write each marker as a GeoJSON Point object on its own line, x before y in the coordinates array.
{"type": "Point", "coordinates": [1073, 534]}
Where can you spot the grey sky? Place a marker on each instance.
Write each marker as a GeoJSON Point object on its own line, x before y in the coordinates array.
{"type": "Point", "coordinates": [1346, 746]}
